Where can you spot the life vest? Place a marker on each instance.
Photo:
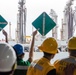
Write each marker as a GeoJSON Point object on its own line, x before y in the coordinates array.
{"type": "Point", "coordinates": [60, 65]}
{"type": "Point", "coordinates": [22, 67]}
{"type": "Point", "coordinates": [40, 67]}
{"type": "Point", "coordinates": [21, 70]}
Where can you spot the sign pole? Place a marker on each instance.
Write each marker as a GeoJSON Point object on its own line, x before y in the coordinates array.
{"type": "Point", "coordinates": [43, 24]}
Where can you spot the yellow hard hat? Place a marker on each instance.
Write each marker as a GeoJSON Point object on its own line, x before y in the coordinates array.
{"type": "Point", "coordinates": [49, 46]}
{"type": "Point", "coordinates": [72, 43]}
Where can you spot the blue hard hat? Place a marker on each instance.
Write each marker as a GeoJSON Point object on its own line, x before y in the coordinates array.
{"type": "Point", "coordinates": [19, 49]}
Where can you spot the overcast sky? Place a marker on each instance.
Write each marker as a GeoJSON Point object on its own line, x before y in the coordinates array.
{"type": "Point", "coordinates": [9, 10]}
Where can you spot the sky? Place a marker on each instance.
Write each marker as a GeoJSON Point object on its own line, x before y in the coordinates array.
{"type": "Point", "coordinates": [9, 10]}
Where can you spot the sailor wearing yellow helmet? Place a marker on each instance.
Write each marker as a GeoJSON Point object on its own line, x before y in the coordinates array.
{"type": "Point", "coordinates": [68, 63]}
{"type": "Point", "coordinates": [43, 66]}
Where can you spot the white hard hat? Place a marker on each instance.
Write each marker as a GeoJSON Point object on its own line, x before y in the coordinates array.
{"type": "Point", "coordinates": [7, 57]}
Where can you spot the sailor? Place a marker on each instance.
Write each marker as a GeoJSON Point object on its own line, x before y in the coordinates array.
{"type": "Point", "coordinates": [68, 63]}
{"type": "Point", "coordinates": [43, 66]}
{"type": "Point", "coordinates": [20, 55]}
{"type": "Point", "coordinates": [7, 59]}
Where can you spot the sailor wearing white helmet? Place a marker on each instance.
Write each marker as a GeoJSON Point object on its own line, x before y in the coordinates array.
{"type": "Point", "coordinates": [7, 59]}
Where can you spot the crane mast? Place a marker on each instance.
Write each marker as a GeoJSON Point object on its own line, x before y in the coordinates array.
{"type": "Point", "coordinates": [21, 22]}
{"type": "Point", "coordinates": [68, 19]}
{"type": "Point", "coordinates": [54, 16]}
